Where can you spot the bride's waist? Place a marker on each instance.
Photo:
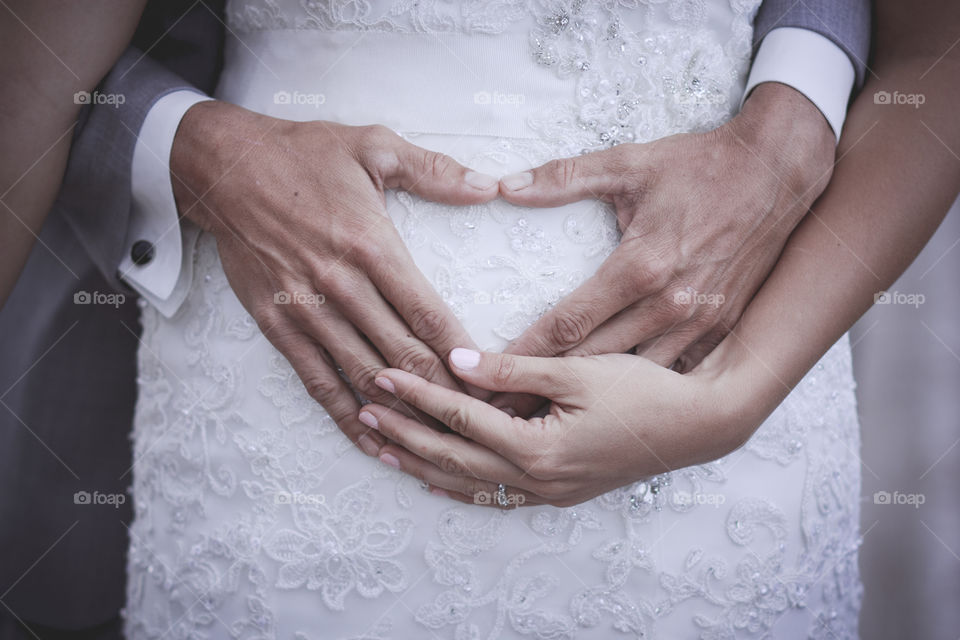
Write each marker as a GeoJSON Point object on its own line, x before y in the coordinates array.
{"type": "Point", "coordinates": [432, 83]}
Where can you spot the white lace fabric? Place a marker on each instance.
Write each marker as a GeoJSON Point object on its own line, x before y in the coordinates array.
{"type": "Point", "coordinates": [256, 518]}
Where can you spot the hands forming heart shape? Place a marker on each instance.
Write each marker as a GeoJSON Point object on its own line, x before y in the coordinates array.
{"type": "Point", "coordinates": [703, 219]}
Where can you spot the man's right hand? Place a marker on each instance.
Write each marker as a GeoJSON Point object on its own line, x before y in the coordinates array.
{"type": "Point", "coordinates": [298, 209]}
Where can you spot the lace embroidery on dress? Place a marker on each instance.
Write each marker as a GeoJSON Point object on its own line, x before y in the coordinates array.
{"type": "Point", "coordinates": [294, 534]}
{"type": "Point", "coordinates": [403, 16]}
{"type": "Point", "coordinates": [637, 85]}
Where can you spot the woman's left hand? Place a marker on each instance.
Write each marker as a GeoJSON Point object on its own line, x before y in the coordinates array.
{"type": "Point", "coordinates": [613, 420]}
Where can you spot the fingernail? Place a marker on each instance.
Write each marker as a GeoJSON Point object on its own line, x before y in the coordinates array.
{"type": "Point", "coordinates": [479, 180]}
{"type": "Point", "coordinates": [368, 446]}
{"type": "Point", "coordinates": [465, 359]}
{"type": "Point", "coordinates": [386, 384]}
{"type": "Point", "coordinates": [516, 181]}
{"type": "Point", "coordinates": [369, 419]}
{"type": "Point", "coordinates": [440, 493]}
{"type": "Point", "coordinates": [510, 411]}
{"type": "Point", "coordinates": [390, 460]}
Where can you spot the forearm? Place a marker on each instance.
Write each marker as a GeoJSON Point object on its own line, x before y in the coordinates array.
{"type": "Point", "coordinates": [895, 181]}
{"type": "Point", "coordinates": [39, 107]}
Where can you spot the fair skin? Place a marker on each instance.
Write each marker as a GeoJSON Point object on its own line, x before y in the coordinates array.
{"type": "Point", "coordinates": [698, 239]}
{"type": "Point", "coordinates": [51, 51]}
{"type": "Point", "coordinates": [248, 179]}
{"type": "Point", "coordinates": [616, 419]}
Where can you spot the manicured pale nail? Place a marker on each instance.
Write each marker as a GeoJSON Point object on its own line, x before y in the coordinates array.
{"type": "Point", "coordinates": [390, 460]}
{"type": "Point", "coordinates": [369, 419]}
{"type": "Point", "coordinates": [386, 384]}
{"type": "Point", "coordinates": [465, 359]}
{"type": "Point", "coordinates": [516, 181]}
{"type": "Point", "coordinates": [440, 493]}
{"type": "Point", "coordinates": [368, 446]}
{"type": "Point", "coordinates": [479, 180]}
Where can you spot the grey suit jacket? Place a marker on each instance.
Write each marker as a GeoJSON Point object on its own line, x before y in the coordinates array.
{"type": "Point", "coordinates": [67, 372]}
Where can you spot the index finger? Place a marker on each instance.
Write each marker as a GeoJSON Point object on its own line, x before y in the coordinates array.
{"type": "Point", "coordinates": [464, 414]}
{"type": "Point", "coordinates": [404, 286]}
{"type": "Point", "coordinates": [617, 284]}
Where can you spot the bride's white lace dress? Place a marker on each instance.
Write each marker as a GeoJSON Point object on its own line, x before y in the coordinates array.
{"type": "Point", "coordinates": [256, 518]}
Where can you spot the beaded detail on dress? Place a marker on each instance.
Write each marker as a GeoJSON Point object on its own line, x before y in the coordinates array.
{"type": "Point", "coordinates": [256, 518]}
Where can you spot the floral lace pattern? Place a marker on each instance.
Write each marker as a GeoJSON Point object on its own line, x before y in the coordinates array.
{"type": "Point", "coordinates": [403, 16]}
{"type": "Point", "coordinates": [256, 518]}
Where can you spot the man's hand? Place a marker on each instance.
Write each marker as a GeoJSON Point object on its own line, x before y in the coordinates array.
{"type": "Point", "coordinates": [298, 211]}
{"type": "Point", "coordinates": [704, 218]}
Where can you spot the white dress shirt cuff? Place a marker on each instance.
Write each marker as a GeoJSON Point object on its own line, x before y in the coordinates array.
{"type": "Point", "coordinates": [162, 244]}
{"type": "Point", "coordinates": [811, 64]}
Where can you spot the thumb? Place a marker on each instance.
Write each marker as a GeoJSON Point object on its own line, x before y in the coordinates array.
{"type": "Point", "coordinates": [597, 175]}
{"type": "Point", "coordinates": [547, 377]}
{"type": "Point", "coordinates": [433, 176]}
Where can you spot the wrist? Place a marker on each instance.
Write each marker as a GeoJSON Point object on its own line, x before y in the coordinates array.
{"type": "Point", "coordinates": [743, 388]}
{"type": "Point", "coordinates": [790, 135]}
{"type": "Point", "coordinates": [200, 156]}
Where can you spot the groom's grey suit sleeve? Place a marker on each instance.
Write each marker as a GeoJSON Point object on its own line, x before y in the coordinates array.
{"type": "Point", "coordinates": [844, 22]}
{"type": "Point", "coordinates": [68, 370]}
{"type": "Point", "coordinates": [818, 47]}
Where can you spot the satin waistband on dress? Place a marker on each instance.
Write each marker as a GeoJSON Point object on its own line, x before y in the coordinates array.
{"type": "Point", "coordinates": [414, 82]}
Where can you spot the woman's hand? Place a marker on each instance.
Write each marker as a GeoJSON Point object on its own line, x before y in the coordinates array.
{"type": "Point", "coordinates": [614, 420]}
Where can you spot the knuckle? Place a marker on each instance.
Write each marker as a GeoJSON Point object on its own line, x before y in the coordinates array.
{"type": "Point", "coordinates": [677, 306]}
{"type": "Point", "coordinates": [437, 165]}
{"type": "Point", "coordinates": [563, 171]}
{"type": "Point", "coordinates": [419, 361]}
{"type": "Point", "coordinates": [427, 323]}
{"type": "Point", "coordinates": [375, 147]}
{"type": "Point", "coordinates": [362, 378]}
{"type": "Point", "coordinates": [376, 135]}
{"type": "Point", "coordinates": [568, 330]}
{"type": "Point", "coordinates": [320, 387]}
{"type": "Point", "coordinates": [458, 419]}
{"type": "Point", "coordinates": [269, 323]}
{"type": "Point", "coordinates": [652, 273]}
{"type": "Point", "coordinates": [371, 247]}
{"type": "Point", "coordinates": [657, 272]}
{"type": "Point", "coordinates": [503, 372]}
{"type": "Point", "coordinates": [450, 463]}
